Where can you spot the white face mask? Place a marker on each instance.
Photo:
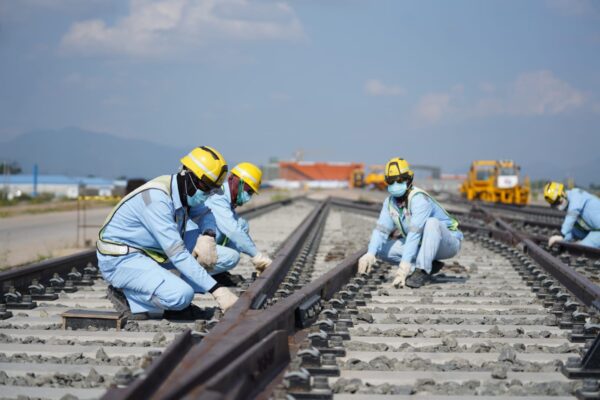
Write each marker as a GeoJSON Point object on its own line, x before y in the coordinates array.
{"type": "Point", "coordinates": [562, 206]}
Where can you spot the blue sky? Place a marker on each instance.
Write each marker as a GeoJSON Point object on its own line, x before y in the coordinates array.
{"type": "Point", "coordinates": [438, 82]}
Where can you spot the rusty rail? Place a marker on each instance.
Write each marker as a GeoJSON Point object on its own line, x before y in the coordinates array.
{"type": "Point", "coordinates": [220, 352]}
{"type": "Point", "coordinates": [225, 343]}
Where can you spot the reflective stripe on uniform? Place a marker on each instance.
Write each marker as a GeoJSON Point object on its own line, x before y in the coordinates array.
{"type": "Point", "coordinates": [383, 229]}
{"type": "Point", "coordinates": [415, 229]}
{"type": "Point", "coordinates": [202, 167]}
{"type": "Point", "coordinates": [114, 249]}
{"type": "Point", "coordinates": [175, 249]}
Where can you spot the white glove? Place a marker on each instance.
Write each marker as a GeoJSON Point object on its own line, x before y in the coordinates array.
{"type": "Point", "coordinates": [225, 298]}
{"type": "Point", "coordinates": [401, 274]}
{"type": "Point", "coordinates": [205, 251]}
{"type": "Point", "coordinates": [554, 239]}
{"type": "Point", "coordinates": [261, 262]}
{"type": "Point", "coordinates": [365, 263]}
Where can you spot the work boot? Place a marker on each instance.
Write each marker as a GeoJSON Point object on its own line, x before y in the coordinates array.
{"type": "Point", "coordinates": [190, 313]}
{"type": "Point", "coordinates": [118, 299]}
{"type": "Point", "coordinates": [142, 316]}
{"type": "Point", "coordinates": [436, 266]}
{"type": "Point", "coordinates": [418, 278]}
{"type": "Point", "coordinates": [228, 280]}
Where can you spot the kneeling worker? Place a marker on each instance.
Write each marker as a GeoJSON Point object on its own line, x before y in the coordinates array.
{"type": "Point", "coordinates": [232, 230]}
{"type": "Point", "coordinates": [143, 236]}
{"type": "Point", "coordinates": [583, 214]}
{"type": "Point", "coordinates": [427, 232]}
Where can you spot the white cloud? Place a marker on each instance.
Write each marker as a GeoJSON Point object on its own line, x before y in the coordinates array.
{"type": "Point", "coordinates": [533, 93]}
{"type": "Point", "coordinates": [432, 107]}
{"type": "Point", "coordinates": [375, 87]}
{"type": "Point", "coordinates": [536, 93]}
{"type": "Point", "coordinates": [487, 87]}
{"type": "Point", "coordinates": [155, 28]}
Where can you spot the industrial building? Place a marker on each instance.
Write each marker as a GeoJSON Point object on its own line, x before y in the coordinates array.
{"type": "Point", "coordinates": [57, 185]}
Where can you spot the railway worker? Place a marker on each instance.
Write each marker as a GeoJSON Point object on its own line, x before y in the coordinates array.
{"type": "Point", "coordinates": [143, 237]}
{"type": "Point", "coordinates": [583, 214]}
{"type": "Point", "coordinates": [233, 231]}
{"type": "Point", "coordinates": [427, 232]}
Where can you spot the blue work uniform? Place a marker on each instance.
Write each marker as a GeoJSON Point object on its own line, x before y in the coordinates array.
{"type": "Point", "coordinates": [583, 218]}
{"type": "Point", "coordinates": [152, 221]}
{"type": "Point", "coordinates": [232, 230]}
{"type": "Point", "coordinates": [427, 232]}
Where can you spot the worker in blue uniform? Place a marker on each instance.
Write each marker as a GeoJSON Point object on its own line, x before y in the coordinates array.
{"type": "Point", "coordinates": [142, 238]}
{"type": "Point", "coordinates": [582, 221]}
{"type": "Point", "coordinates": [232, 230]}
{"type": "Point", "coordinates": [427, 232]}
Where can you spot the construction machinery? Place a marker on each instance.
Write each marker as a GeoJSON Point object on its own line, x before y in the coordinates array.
{"type": "Point", "coordinates": [496, 182]}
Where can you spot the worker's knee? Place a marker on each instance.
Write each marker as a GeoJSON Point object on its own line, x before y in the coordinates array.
{"type": "Point", "coordinates": [432, 227]}
{"type": "Point", "coordinates": [175, 296]}
{"type": "Point", "coordinates": [227, 258]}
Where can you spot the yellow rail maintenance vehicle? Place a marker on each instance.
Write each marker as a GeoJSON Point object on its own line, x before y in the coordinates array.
{"type": "Point", "coordinates": [496, 182]}
{"type": "Point", "coordinates": [376, 177]}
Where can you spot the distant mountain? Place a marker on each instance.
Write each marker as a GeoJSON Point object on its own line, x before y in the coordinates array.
{"type": "Point", "coordinates": [75, 151]}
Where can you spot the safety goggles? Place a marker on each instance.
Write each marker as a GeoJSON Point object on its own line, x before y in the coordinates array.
{"type": "Point", "coordinates": [396, 178]}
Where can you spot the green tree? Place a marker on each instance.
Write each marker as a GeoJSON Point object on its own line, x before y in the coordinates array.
{"type": "Point", "coordinates": [10, 167]}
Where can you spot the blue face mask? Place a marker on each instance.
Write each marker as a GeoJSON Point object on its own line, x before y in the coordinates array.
{"type": "Point", "coordinates": [197, 199]}
{"type": "Point", "coordinates": [243, 197]}
{"type": "Point", "coordinates": [397, 189]}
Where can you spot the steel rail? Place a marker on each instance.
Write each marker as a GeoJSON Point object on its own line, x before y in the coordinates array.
{"type": "Point", "coordinates": [216, 351]}
{"type": "Point", "coordinates": [572, 248]}
{"type": "Point", "coordinates": [263, 360]}
{"type": "Point", "coordinates": [249, 347]}
{"type": "Point", "coordinates": [581, 287]}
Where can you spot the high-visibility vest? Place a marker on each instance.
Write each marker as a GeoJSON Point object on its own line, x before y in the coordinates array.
{"type": "Point", "coordinates": [112, 248]}
{"type": "Point", "coordinates": [396, 212]}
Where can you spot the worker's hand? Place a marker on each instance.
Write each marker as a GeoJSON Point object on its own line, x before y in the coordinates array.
{"type": "Point", "coordinates": [553, 239]}
{"type": "Point", "coordinates": [205, 251]}
{"type": "Point", "coordinates": [261, 262]}
{"type": "Point", "coordinates": [401, 274]}
{"type": "Point", "coordinates": [225, 298]}
{"type": "Point", "coordinates": [365, 263]}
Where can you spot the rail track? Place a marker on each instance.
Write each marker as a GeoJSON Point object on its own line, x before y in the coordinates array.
{"type": "Point", "coordinates": [505, 319]}
{"type": "Point", "coordinates": [39, 359]}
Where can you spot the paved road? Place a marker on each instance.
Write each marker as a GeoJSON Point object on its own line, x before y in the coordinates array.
{"type": "Point", "coordinates": [27, 238]}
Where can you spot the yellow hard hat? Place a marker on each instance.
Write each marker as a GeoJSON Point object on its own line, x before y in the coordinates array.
{"type": "Point", "coordinates": [397, 169]}
{"type": "Point", "coordinates": [249, 173]}
{"type": "Point", "coordinates": [207, 164]}
{"type": "Point", "coordinates": [553, 191]}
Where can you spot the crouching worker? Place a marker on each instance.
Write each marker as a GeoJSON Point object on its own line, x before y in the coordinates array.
{"type": "Point", "coordinates": [427, 232]}
{"type": "Point", "coordinates": [583, 214]}
{"type": "Point", "coordinates": [232, 231]}
{"type": "Point", "coordinates": [143, 237]}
